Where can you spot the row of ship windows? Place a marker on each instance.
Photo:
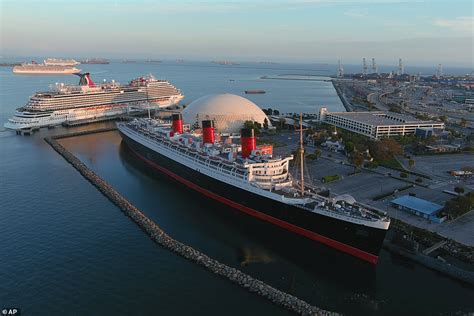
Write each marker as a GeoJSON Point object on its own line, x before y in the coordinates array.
{"type": "Point", "coordinates": [273, 171]}
{"type": "Point", "coordinates": [100, 98]}
{"type": "Point", "coordinates": [273, 165]}
{"type": "Point", "coordinates": [82, 104]}
{"type": "Point", "coordinates": [76, 112]}
{"type": "Point", "coordinates": [150, 91]}
{"type": "Point", "coordinates": [272, 179]}
{"type": "Point", "coordinates": [143, 94]}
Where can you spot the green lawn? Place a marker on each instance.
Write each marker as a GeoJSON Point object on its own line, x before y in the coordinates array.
{"type": "Point", "coordinates": [270, 142]}
{"type": "Point", "coordinates": [391, 164]}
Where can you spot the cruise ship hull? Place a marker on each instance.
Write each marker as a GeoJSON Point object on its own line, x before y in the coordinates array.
{"type": "Point", "coordinates": [27, 120]}
{"type": "Point", "coordinates": [360, 241]}
{"type": "Point", "coordinates": [67, 71]}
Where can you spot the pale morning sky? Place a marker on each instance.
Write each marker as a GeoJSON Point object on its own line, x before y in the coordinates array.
{"type": "Point", "coordinates": [423, 32]}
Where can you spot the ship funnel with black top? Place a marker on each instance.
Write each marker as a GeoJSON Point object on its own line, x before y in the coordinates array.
{"type": "Point", "coordinates": [248, 141]}
{"type": "Point", "coordinates": [177, 123]}
{"type": "Point", "coordinates": [208, 136]}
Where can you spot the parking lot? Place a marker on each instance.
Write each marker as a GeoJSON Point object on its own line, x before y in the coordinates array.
{"type": "Point", "coordinates": [366, 185]}
{"type": "Point", "coordinates": [363, 186]}
{"type": "Point", "coordinates": [439, 166]}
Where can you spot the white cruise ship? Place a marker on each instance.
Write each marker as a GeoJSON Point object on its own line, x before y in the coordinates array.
{"type": "Point", "coordinates": [35, 68]}
{"type": "Point", "coordinates": [60, 62]}
{"type": "Point", "coordinates": [90, 101]}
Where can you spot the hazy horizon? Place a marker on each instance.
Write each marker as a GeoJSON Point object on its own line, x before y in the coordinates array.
{"type": "Point", "coordinates": [423, 33]}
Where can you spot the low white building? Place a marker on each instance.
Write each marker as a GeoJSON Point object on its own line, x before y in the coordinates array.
{"type": "Point", "coordinates": [376, 124]}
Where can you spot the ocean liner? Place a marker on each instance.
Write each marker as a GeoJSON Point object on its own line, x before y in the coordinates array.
{"type": "Point", "coordinates": [233, 170]}
{"type": "Point", "coordinates": [90, 101]}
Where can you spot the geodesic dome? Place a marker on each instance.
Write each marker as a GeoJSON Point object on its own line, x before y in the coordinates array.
{"type": "Point", "coordinates": [229, 112]}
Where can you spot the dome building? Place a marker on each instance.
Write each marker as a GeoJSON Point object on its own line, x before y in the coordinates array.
{"type": "Point", "coordinates": [229, 112]}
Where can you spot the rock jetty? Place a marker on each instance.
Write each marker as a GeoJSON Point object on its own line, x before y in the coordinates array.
{"type": "Point", "coordinates": [157, 234]}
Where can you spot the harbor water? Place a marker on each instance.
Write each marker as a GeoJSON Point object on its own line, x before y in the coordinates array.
{"type": "Point", "coordinates": [66, 249]}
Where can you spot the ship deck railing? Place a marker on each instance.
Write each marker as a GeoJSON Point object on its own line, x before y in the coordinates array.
{"type": "Point", "coordinates": [342, 211]}
{"type": "Point", "coordinates": [196, 156]}
{"type": "Point", "coordinates": [338, 212]}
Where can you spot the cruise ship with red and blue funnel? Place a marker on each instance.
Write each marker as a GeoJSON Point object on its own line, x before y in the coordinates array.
{"type": "Point", "coordinates": [90, 101]}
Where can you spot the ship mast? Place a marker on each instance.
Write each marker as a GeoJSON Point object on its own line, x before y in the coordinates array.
{"type": "Point", "coordinates": [301, 150]}
{"type": "Point", "coordinates": [148, 101]}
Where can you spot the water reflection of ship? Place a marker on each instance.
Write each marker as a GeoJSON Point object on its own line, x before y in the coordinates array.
{"type": "Point", "coordinates": [248, 255]}
{"type": "Point", "coordinates": [92, 145]}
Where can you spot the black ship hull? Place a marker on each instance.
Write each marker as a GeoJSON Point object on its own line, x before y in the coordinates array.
{"type": "Point", "coordinates": [357, 240]}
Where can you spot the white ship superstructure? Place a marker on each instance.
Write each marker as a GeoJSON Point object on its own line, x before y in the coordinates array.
{"type": "Point", "coordinates": [60, 62]}
{"type": "Point", "coordinates": [88, 101]}
{"type": "Point", "coordinates": [35, 68]}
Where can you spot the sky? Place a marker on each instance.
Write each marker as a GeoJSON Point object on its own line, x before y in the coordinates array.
{"type": "Point", "coordinates": [420, 32]}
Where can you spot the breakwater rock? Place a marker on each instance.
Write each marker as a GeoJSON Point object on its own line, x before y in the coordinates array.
{"type": "Point", "coordinates": [157, 234]}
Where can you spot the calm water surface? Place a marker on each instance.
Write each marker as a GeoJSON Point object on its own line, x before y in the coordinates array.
{"type": "Point", "coordinates": [67, 249]}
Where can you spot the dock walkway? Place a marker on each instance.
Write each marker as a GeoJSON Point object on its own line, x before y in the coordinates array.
{"type": "Point", "coordinates": [429, 250]}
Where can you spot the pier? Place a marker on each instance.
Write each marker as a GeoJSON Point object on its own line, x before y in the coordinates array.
{"type": "Point", "coordinates": [158, 113]}
{"type": "Point", "coordinates": [158, 235]}
{"type": "Point", "coordinates": [27, 131]}
{"type": "Point", "coordinates": [90, 120]}
{"type": "Point", "coordinates": [423, 257]}
{"type": "Point", "coordinates": [434, 247]}
{"type": "Point", "coordinates": [435, 264]}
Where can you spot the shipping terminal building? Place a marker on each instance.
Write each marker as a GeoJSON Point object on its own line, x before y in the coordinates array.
{"type": "Point", "coordinates": [376, 124]}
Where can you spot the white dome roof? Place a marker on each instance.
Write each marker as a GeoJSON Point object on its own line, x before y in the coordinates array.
{"type": "Point", "coordinates": [229, 112]}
